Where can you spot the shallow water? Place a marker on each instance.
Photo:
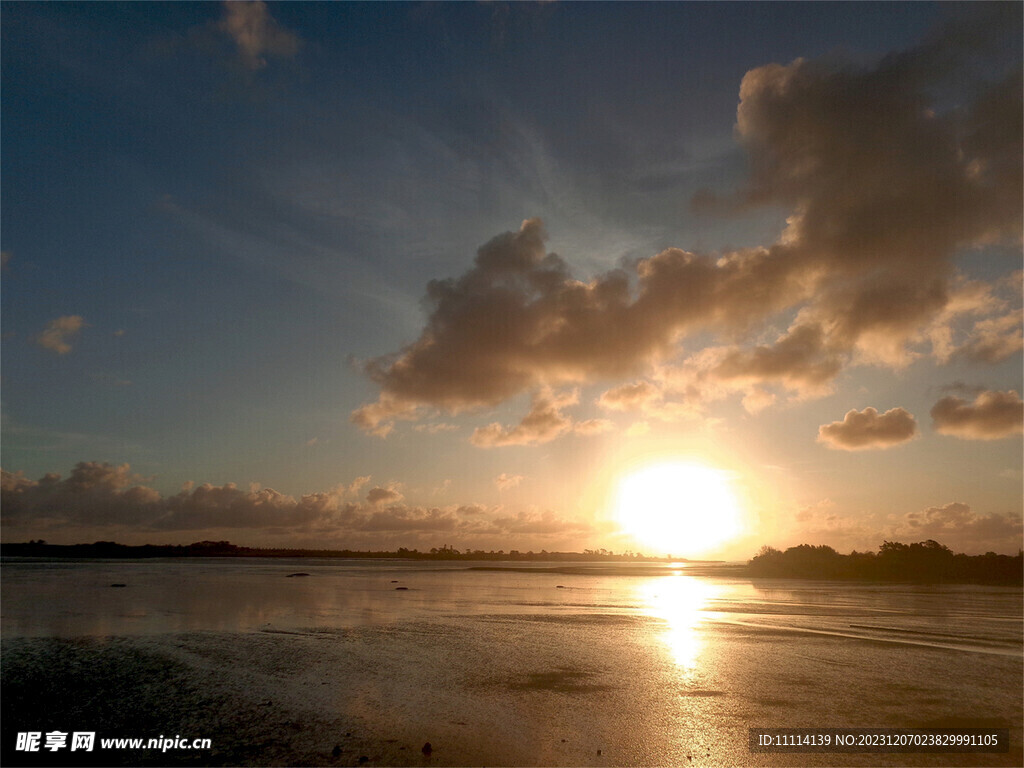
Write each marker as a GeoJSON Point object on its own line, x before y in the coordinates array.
{"type": "Point", "coordinates": [532, 667]}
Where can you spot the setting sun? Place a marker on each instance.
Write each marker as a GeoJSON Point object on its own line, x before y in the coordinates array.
{"type": "Point", "coordinates": [678, 507]}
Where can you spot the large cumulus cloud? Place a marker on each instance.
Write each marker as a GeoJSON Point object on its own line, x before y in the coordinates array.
{"type": "Point", "coordinates": [883, 183]}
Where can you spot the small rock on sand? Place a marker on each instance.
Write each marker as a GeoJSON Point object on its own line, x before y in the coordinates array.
{"type": "Point", "coordinates": [427, 749]}
{"type": "Point", "coordinates": [292, 575]}
{"type": "Point", "coordinates": [119, 585]}
{"type": "Point", "coordinates": [401, 587]}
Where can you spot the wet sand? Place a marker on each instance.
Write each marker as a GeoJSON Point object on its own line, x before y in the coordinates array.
{"type": "Point", "coordinates": [570, 690]}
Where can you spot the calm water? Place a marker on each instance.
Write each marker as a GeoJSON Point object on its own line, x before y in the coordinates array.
{"type": "Point", "coordinates": [534, 664]}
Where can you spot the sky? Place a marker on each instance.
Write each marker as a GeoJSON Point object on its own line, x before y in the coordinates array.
{"type": "Point", "coordinates": [511, 276]}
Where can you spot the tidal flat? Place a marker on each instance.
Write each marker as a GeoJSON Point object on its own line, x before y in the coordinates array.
{"type": "Point", "coordinates": [492, 668]}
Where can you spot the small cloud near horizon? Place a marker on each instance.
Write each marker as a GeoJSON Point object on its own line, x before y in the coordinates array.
{"type": "Point", "coordinates": [105, 498]}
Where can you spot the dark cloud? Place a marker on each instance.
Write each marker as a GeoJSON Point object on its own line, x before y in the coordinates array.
{"type": "Point", "coordinates": [868, 429]}
{"type": "Point", "coordinates": [227, 506]}
{"type": "Point", "coordinates": [94, 492]}
{"type": "Point", "coordinates": [110, 500]}
{"type": "Point", "coordinates": [799, 360]}
{"type": "Point", "coordinates": [883, 185]}
{"type": "Point", "coordinates": [992, 415]}
{"type": "Point", "coordinates": [380, 496]}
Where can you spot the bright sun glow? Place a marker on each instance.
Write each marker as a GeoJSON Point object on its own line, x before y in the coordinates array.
{"type": "Point", "coordinates": [678, 508]}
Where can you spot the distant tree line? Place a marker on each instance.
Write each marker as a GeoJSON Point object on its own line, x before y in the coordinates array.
{"type": "Point", "coordinates": [925, 561]}
{"type": "Point", "coordinates": [113, 550]}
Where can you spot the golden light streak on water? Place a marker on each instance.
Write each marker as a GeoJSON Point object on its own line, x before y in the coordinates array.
{"type": "Point", "coordinates": [681, 602]}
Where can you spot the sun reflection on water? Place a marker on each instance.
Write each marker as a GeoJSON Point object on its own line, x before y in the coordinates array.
{"type": "Point", "coordinates": [681, 601]}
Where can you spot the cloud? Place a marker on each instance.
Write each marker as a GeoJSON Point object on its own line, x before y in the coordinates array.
{"type": "Point", "coordinates": [653, 400]}
{"type": "Point", "coordinates": [757, 399]}
{"type": "Point", "coordinates": [628, 397]}
{"type": "Point", "coordinates": [992, 415]}
{"type": "Point", "coordinates": [823, 523]}
{"type": "Point", "coordinates": [867, 429]}
{"type": "Point", "coordinates": [799, 360]}
{"type": "Point", "coordinates": [107, 500]}
{"type": "Point", "coordinates": [542, 424]}
{"type": "Point", "coordinates": [994, 339]}
{"type": "Point", "coordinates": [883, 186]}
{"type": "Point", "coordinates": [994, 333]}
{"type": "Point", "coordinates": [436, 427]}
{"type": "Point", "coordinates": [94, 492]}
{"type": "Point", "coordinates": [256, 34]}
{"type": "Point", "coordinates": [957, 522]}
{"type": "Point", "coordinates": [356, 485]}
{"type": "Point", "coordinates": [534, 522]}
{"type": "Point", "coordinates": [402, 518]}
{"type": "Point", "coordinates": [101, 494]}
{"type": "Point", "coordinates": [592, 427]}
{"type": "Point", "coordinates": [59, 333]}
{"type": "Point", "coordinates": [379, 418]}
{"type": "Point", "coordinates": [505, 481]}
{"type": "Point", "coordinates": [383, 496]}
{"type": "Point", "coordinates": [227, 506]}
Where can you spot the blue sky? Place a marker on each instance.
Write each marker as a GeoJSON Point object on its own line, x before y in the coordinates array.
{"type": "Point", "coordinates": [217, 217]}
